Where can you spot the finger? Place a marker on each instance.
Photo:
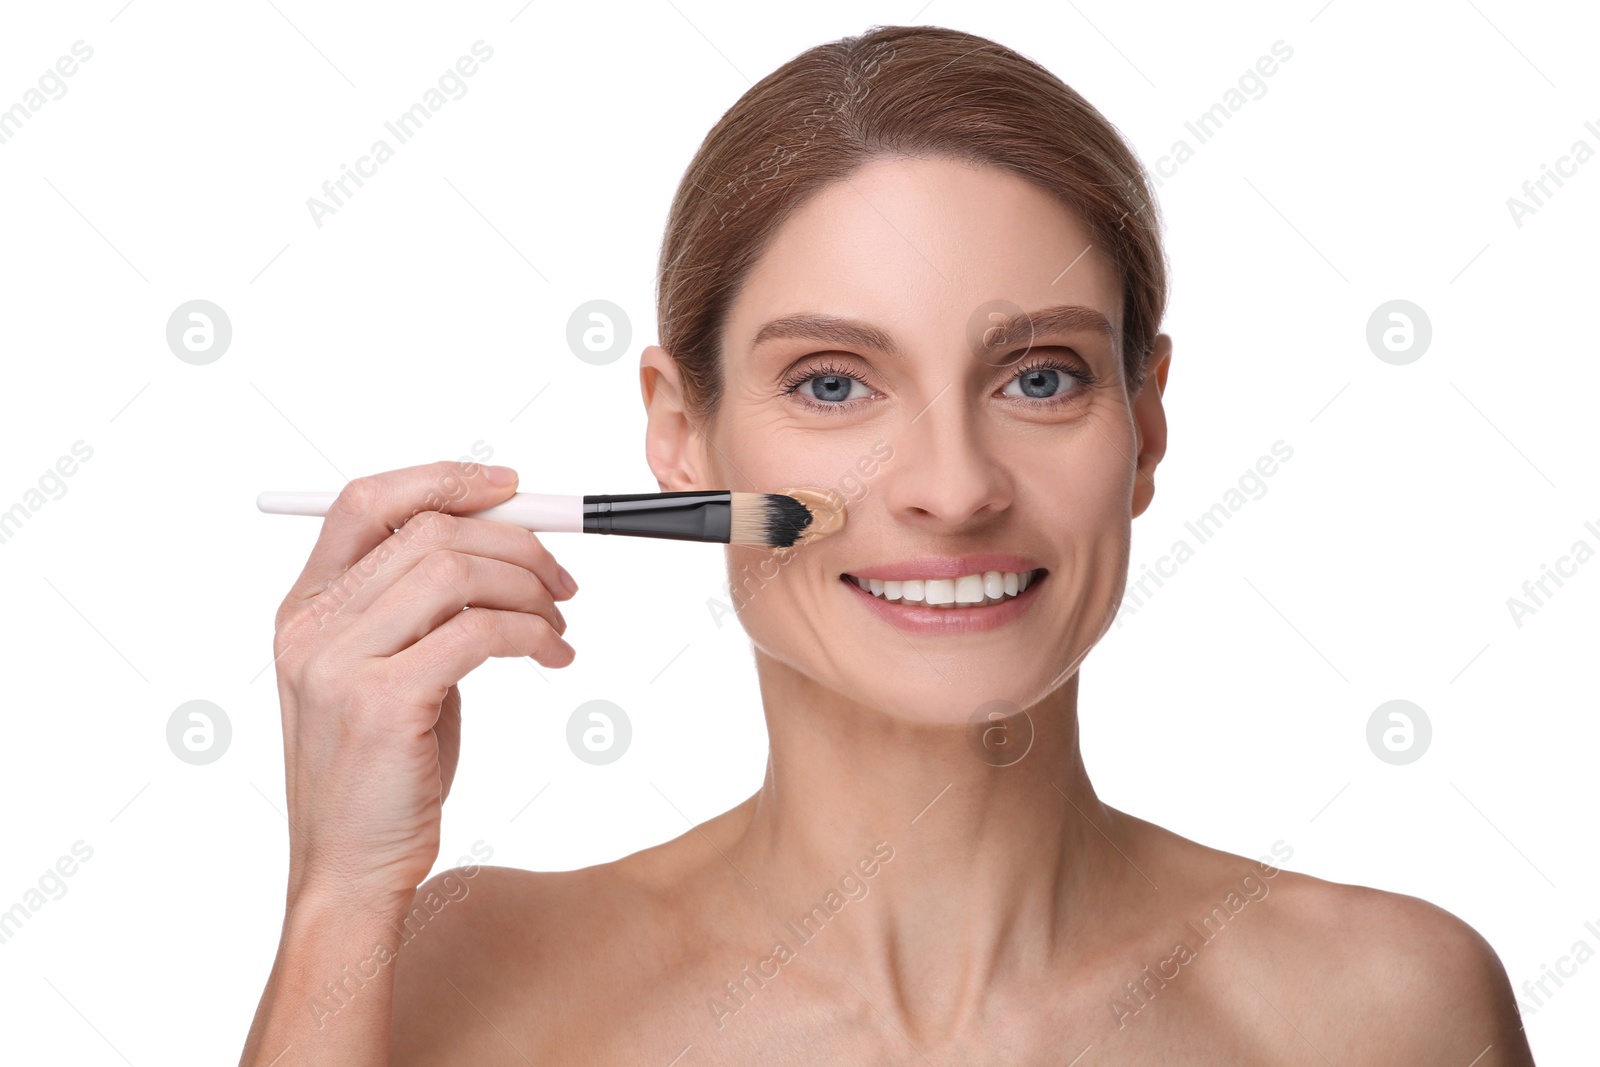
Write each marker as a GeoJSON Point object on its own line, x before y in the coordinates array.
{"type": "Point", "coordinates": [437, 588]}
{"type": "Point", "coordinates": [447, 654]}
{"type": "Point", "coordinates": [432, 531]}
{"type": "Point", "coordinates": [448, 732]}
{"type": "Point", "coordinates": [367, 510]}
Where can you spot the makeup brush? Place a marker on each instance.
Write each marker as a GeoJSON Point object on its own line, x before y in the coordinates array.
{"type": "Point", "coordinates": [761, 520]}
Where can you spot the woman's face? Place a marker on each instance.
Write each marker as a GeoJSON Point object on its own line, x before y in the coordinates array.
{"type": "Point", "coordinates": [954, 458]}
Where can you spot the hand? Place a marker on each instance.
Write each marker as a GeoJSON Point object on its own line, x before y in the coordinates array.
{"type": "Point", "coordinates": [370, 643]}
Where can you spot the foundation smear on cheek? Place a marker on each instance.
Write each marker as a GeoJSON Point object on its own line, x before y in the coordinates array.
{"type": "Point", "coordinates": [827, 512]}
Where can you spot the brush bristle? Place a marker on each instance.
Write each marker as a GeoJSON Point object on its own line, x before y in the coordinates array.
{"type": "Point", "coordinates": [768, 520]}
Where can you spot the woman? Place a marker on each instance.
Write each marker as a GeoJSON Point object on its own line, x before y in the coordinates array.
{"type": "Point", "coordinates": [917, 256]}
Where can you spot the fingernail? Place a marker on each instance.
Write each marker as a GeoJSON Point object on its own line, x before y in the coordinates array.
{"type": "Point", "coordinates": [568, 582]}
{"type": "Point", "coordinates": [500, 475]}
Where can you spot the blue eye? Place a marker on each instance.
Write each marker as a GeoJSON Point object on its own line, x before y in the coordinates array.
{"type": "Point", "coordinates": [1040, 383]}
{"type": "Point", "coordinates": [831, 387]}
{"type": "Point", "coordinates": [826, 387]}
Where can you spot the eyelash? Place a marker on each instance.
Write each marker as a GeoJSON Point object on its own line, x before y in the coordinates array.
{"type": "Point", "coordinates": [827, 369]}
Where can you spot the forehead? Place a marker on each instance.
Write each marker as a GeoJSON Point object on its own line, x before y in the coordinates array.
{"type": "Point", "coordinates": [918, 245]}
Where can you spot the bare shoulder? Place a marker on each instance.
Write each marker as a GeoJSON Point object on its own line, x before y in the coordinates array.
{"type": "Point", "coordinates": [1399, 980]}
{"type": "Point", "coordinates": [486, 952]}
{"type": "Point", "coordinates": [1301, 966]}
{"type": "Point", "coordinates": [494, 962]}
{"type": "Point", "coordinates": [464, 959]}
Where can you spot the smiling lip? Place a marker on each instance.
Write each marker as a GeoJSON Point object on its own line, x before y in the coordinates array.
{"type": "Point", "coordinates": [945, 567]}
{"type": "Point", "coordinates": [972, 619]}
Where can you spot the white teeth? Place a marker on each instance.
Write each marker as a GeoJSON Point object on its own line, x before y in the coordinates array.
{"type": "Point", "coordinates": [986, 587]}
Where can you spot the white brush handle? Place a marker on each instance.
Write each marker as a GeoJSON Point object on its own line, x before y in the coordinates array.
{"type": "Point", "coordinates": [547, 512]}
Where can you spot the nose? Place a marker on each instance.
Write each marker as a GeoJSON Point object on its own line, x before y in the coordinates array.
{"type": "Point", "coordinates": [945, 475]}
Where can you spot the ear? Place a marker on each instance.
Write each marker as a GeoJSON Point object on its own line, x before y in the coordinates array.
{"type": "Point", "coordinates": [673, 443]}
{"type": "Point", "coordinates": [1150, 422]}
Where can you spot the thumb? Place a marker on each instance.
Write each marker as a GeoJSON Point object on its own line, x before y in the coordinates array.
{"type": "Point", "coordinates": [497, 482]}
{"type": "Point", "coordinates": [457, 487]}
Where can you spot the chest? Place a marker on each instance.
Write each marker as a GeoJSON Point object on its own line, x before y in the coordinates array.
{"type": "Point", "coordinates": [785, 1013]}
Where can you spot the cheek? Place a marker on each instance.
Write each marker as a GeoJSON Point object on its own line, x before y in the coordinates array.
{"type": "Point", "coordinates": [781, 599]}
{"type": "Point", "coordinates": [764, 454]}
{"type": "Point", "coordinates": [751, 574]}
{"type": "Point", "coordinates": [768, 587]}
{"type": "Point", "coordinates": [1096, 470]}
{"type": "Point", "coordinates": [1076, 484]}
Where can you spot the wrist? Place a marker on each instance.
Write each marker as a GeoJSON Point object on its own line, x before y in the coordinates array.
{"type": "Point", "coordinates": [334, 963]}
{"type": "Point", "coordinates": [325, 908]}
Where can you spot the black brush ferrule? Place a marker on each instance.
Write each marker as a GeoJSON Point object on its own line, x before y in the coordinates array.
{"type": "Point", "coordinates": [691, 516]}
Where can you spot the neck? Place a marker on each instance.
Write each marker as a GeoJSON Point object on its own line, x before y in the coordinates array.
{"type": "Point", "coordinates": [994, 872]}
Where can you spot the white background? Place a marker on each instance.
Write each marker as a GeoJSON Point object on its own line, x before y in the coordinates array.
{"type": "Point", "coordinates": [429, 314]}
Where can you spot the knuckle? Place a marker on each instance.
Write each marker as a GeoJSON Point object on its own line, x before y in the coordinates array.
{"type": "Point", "coordinates": [358, 498]}
{"type": "Point", "coordinates": [475, 627]}
{"type": "Point", "coordinates": [311, 616]}
{"type": "Point", "coordinates": [545, 563]}
{"type": "Point", "coordinates": [294, 626]}
{"type": "Point", "coordinates": [283, 638]}
{"type": "Point", "coordinates": [445, 569]}
{"type": "Point", "coordinates": [540, 560]}
{"type": "Point", "coordinates": [321, 673]}
{"type": "Point", "coordinates": [480, 624]}
{"type": "Point", "coordinates": [538, 548]}
{"type": "Point", "coordinates": [430, 529]}
{"type": "Point", "coordinates": [287, 612]}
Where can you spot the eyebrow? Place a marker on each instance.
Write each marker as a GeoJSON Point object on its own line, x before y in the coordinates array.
{"type": "Point", "coordinates": [853, 333]}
